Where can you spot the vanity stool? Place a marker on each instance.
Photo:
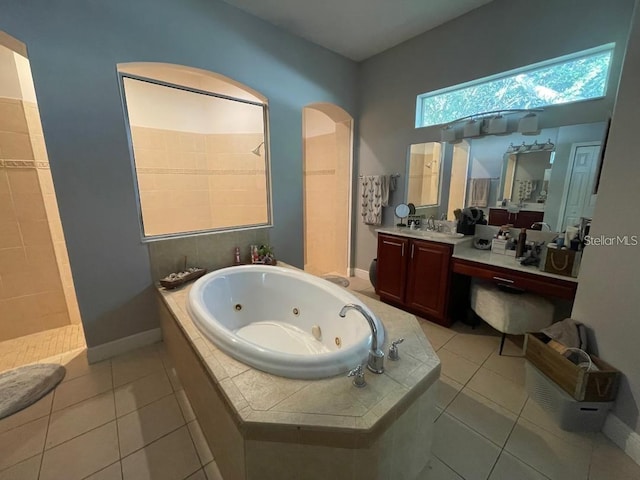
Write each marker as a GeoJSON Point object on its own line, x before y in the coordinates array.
{"type": "Point", "coordinates": [510, 311]}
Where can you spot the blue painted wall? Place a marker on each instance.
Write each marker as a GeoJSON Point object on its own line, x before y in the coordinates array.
{"type": "Point", "coordinates": [74, 47]}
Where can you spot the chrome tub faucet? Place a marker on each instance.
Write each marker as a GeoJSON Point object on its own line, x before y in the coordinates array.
{"type": "Point", "coordinates": [376, 356]}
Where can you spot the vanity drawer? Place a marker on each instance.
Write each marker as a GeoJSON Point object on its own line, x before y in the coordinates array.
{"type": "Point", "coordinates": [524, 281]}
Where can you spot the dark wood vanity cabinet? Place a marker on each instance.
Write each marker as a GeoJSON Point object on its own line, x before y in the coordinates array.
{"type": "Point", "coordinates": [414, 274]}
{"type": "Point", "coordinates": [392, 267]}
{"type": "Point", "coordinates": [522, 219]}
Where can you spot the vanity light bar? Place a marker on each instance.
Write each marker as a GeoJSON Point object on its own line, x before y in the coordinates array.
{"type": "Point", "coordinates": [489, 123]}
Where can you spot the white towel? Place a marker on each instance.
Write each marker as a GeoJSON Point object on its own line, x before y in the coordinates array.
{"type": "Point", "coordinates": [375, 195]}
{"type": "Point", "coordinates": [479, 189]}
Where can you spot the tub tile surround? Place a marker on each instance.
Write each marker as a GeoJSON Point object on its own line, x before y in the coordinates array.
{"type": "Point", "coordinates": [320, 420]}
{"type": "Point", "coordinates": [211, 251]}
{"type": "Point", "coordinates": [268, 393]}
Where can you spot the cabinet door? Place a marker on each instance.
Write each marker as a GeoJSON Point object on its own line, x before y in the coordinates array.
{"type": "Point", "coordinates": [392, 267]}
{"type": "Point", "coordinates": [498, 216]}
{"type": "Point", "coordinates": [526, 218]}
{"type": "Point", "coordinates": [428, 278]}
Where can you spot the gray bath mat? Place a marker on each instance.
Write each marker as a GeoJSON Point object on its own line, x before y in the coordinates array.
{"type": "Point", "coordinates": [23, 386]}
{"type": "Point", "coordinates": [343, 282]}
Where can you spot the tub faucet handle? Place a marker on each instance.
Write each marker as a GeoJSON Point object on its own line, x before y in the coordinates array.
{"type": "Point", "coordinates": [393, 349]}
{"type": "Point", "coordinates": [358, 373]}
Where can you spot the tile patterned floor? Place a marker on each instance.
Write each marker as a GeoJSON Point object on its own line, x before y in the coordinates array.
{"type": "Point", "coordinates": [488, 428]}
{"type": "Point", "coordinates": [32, 348]}
{"type": "Point", "coordinates": [125, 418]}
{"type": "Point", "coordinates": [129, 419]}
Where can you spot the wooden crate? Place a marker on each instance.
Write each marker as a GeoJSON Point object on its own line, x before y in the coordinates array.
{"type": "Point", "coordinates": [600, 386]}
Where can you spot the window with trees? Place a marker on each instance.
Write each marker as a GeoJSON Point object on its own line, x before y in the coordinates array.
{"type": "Point", "coordinates": [572, 78]}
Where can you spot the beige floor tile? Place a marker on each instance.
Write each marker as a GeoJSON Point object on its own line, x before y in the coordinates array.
{"type": "Point", "coordinates": [438, 470]}
{"type": "Point", "coordinates": [481, 414]}
{"type": "Point", "coordinates": [358, 284]}
{"type": "Point", "coordinates": [141, 427]}
{"type": "Point", "coordinates": [112, 472]}
{"type": "Point", "coordinates": [22, 442]}
{"type": "Point", "coordinates": [466, 452]}
{"type": "Point", "coordinates": [509, 467]}
{"type": "Point", "coordinates": [40, 409]}
{"type": "Point", "coordinates": [437, 335]}
{"type": "Point", "coordinates": [199, 475]}
{"type": "Point", "coordinates": [511, 367]}
{"type": "Point", "coordinates": [25, 470]}
{"type": "Point", "coordinates": [202, 447]}
{"type": "Point", "coordinates": [536, 415]}
{"type": "Point", "coordinates": [457, 368]}
{"type": "Point", "coordinates": [547, 453]}
{"type": "Point", "coordinates": [608, 462]}
{"type": "Point", "coordinates": [141, 392]}
{"type": "Point", "coordinates": [135, 365]}
{"type": "Point", "coordinates": [81, 388]}
{"type": "Point", "coordinates": [172, 457]}
{"type": "Point", "coordinates": [447, 390]}
{"type": "Point", "coordinates": [212, 471]}
{"type": "Point", "coordinates": [77, 365]}
{"type": "Point", "coordinates": [185, 406]}
{"type": "Point", "coordinates": [82, 456]}
{"type": "Point", "coordinates": [498, 389]}
{"type": "Point", "coordinates": [473, 347]}
{"type": "Point", "coordinates": [79, 418]}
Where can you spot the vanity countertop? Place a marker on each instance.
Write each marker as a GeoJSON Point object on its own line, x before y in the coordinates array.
{"type": "Point", "coordinates": [426, 235]}
{"type": "Point", "coordinates": [471, 254]}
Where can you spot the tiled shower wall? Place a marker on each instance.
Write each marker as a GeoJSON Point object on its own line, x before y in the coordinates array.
{"type": "Point", "coordinates": [191, 181]}
{"type": "Point", "coordinates": [326, 197]}
{"type": "Point", "coordinates": [36, 288]}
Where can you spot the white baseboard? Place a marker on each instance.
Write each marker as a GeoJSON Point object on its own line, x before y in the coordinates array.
{"type": "Point", "coordinates": [619, 433]}
{"type": "Point", "coordinates": [360, 273]}
{"type": "Point", "coordinates": [122, 345]}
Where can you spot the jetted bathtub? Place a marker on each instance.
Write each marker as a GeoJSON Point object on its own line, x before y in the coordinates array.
{"type": "Point", "coordinates": [282, 321]}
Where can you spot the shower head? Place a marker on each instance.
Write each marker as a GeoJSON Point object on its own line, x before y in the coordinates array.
{"type": "Point", "coordinates": [256, 151]}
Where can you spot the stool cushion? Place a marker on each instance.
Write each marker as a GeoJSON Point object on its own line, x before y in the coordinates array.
{"type": "Point", "coordinates": [513, 313]}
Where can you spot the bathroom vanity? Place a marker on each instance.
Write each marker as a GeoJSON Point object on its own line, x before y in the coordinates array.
{"type": "Point", "coordinates": [414, 271]}
{"type": "Point", "coordinates": [263, 426]}
{"type": "Point", "coordinates": [429, 273]}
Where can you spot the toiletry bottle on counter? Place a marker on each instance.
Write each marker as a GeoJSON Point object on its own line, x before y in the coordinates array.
{"type": "Point", "coordinates": [236, 257]}
{"type": "Point", "coordinates": [522, 242]}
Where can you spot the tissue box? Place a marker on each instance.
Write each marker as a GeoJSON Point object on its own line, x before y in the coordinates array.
{"type": "Point", "coordinates": [498, 246]}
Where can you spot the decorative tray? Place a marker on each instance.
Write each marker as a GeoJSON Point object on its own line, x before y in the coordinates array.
{"type": "Point", "coordinates": [174, 280]}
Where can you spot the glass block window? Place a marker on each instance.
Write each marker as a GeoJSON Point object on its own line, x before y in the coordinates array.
{"type": "Point", "coordinates": [572, 78]}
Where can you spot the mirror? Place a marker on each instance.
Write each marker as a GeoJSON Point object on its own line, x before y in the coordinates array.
{"type": "Point", "coordinates": [525, 178]}
{"type": "Point", "coordinates": [402, 212]}
{"type": "Point", "coordinates": [557, 182]}
{"type": "Point", "coordinates": [424, 173]}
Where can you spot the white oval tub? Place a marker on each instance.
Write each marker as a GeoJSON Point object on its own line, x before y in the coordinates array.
{"type": "Point", "coordinates": [266, 317]}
